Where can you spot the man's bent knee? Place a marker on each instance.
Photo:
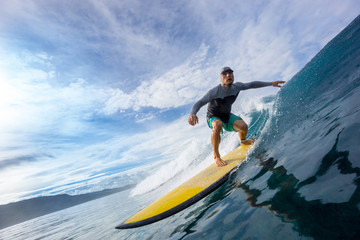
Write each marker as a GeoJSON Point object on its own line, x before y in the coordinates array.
{"type": "Point", "coordinates": [217, 125]}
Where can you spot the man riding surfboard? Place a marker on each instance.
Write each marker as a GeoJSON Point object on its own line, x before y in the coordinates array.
{"type": "Point", "coordinates": [219, 116]}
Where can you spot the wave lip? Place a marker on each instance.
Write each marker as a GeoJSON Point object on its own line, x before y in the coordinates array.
{"type": "Point", "coordinates": [311, 144]}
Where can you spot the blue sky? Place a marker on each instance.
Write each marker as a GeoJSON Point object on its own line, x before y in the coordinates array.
{"type": "Point", "coordinates": [92, 90]}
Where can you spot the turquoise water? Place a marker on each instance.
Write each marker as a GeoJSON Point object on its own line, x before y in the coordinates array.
{"type": "Point", "coordinates": [300, 182]}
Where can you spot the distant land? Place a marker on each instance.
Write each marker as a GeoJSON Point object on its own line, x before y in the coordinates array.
{"type": "Point", "coordinates": [17, 212]}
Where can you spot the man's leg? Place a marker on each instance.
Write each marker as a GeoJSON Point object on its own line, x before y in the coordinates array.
{"type": "Point", "coordinates": [215, 141]}
{"type": "Point", "coordinates": [242, 128]}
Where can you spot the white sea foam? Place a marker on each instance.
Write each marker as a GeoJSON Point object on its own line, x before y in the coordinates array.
{"type": "Point", "coordinates": [188, 153]}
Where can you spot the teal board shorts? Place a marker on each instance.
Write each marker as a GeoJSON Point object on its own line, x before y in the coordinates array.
{"type": "Point", "coordinates": [227, 126]}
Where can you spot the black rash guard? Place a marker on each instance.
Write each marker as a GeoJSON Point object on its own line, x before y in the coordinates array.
{"type": "Point", "coordinates": [221, 97]}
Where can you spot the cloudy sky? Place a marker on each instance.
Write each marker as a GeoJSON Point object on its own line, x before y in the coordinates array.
{"type": "Point", "coordinates": [92, 90]}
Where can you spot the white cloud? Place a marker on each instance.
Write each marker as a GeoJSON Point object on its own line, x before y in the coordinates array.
{"type": "Point", "coordinates": [175, 88]}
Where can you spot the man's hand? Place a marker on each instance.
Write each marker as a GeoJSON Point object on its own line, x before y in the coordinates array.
{"type": "Point", "coordinates": [193, 119]}
{"type": "Point", "coordinates": [277, 83]}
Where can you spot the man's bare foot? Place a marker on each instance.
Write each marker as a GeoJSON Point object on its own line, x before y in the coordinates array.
{"type": "Point", "coordinates": [219, 162]}
{"type": "Point", "coordinates": [247, 141]}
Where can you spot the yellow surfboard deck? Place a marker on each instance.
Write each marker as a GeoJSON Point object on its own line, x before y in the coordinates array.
{"type": "Point", "coordinates": [189, 192]}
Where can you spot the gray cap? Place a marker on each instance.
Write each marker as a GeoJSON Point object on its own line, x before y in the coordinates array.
{"type": "Point", "coordinates": [226, 69]}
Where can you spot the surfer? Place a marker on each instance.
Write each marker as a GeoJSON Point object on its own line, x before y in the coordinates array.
{"type": "Point", "coordinates": [219, 116]}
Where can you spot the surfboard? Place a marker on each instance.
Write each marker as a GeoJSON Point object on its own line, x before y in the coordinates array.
{"type": "Point", "coordinates": [189, 192]}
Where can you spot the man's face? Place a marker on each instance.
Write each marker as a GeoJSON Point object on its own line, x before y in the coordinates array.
{"type": "Point", "coordinates": [227, 78]}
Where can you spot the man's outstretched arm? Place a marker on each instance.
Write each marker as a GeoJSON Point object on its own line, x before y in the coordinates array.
{"type": "Point", "coordinates": [258, 84]}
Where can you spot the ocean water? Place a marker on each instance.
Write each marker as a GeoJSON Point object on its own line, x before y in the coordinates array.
{"type": "Point", "coordinates": [301, 180]}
